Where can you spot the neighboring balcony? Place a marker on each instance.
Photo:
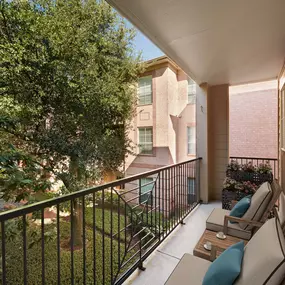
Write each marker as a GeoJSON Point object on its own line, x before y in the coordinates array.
{"type": "Point", "coordinates": [103, 234]}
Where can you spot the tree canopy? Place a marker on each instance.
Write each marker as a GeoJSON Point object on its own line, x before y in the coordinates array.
{"type": "Point", "coordinates": [67, 70]}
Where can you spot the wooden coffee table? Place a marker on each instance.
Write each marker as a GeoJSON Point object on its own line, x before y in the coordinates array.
{"type": "Point", "coordinates": [201, 252]}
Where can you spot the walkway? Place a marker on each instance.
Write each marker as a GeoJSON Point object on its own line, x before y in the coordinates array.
{"type": "Point", "coordinates": [183, 240]}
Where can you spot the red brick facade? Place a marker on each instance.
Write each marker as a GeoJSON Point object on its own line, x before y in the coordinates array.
{"type": "Point", "coordinates": [253, 124]}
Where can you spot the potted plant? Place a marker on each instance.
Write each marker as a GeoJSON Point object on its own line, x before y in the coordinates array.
{"type": "Point", "coordinates": [264, 168]}
{"type": "Point", "coordinates": [231, 191]}
{"type": "Point", "coordinates": [248, 171]}
{"type": "Point", "coordinates": [233, 169]}
{"type": "Point", "coordinates": [248, 187]}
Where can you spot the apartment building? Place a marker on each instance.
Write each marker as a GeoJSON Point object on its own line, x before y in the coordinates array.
{"type": "Point", "coordinates": [163, 130]}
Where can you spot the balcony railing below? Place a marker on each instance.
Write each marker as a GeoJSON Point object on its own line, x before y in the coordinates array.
{"type": "Point", "coordinates": [257, 161]}
{"type": "Point", "coordinates": [99, 235]}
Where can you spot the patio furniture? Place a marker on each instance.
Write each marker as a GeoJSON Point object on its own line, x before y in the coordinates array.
{"type": "Point", "coordinates": [262, 263]}
{"type": "Point", "coordinates": [262, 203]}
{"type": "Point", "coordinates": [219, 244]}
{"type": "Point", "coordinates": [281, 210]}
{"type": "Point", "coordinates": [228, 196]}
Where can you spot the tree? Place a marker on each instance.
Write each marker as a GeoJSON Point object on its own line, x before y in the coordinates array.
{"type": "Point", "coordinates": [67, 70]}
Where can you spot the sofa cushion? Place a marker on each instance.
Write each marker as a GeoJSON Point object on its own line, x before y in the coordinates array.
{"type": "Point", "coordinates": [264, 257]}
{"type": "Point", "coordinates": [189, 270]}
{"type": "Point", "coordinates": [240, 208]}
{"type": "Point", "coordinates": [215, 222]}
{"type": "Point", "coordinates": [228, 262]}
{"type": "Point", "coordinates": [259, 203]}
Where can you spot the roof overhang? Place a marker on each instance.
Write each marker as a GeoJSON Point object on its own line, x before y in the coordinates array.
{"type": "Point", "coordinates": [162, 61]}
{"type": "Point", "coordinates": [217, 42]}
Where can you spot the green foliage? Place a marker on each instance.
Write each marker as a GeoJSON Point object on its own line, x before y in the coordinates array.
{"type": "Point", "coordinates": [20, 175]}
{"type": "Point", "coordinates": [15, 262]}
{"type": "Point", "coordinates": [67, 71]}
{"type": "Point", "coordinates": [67, 75]}
{"type": "Point", "coordinates": [110, 223]}
{"type": "Point", "coordinates": [154, 220]}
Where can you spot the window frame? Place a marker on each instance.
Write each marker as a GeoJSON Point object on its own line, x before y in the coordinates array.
{"type": "Point", "coordinates": [189, 188]}
{"type": "Point", "coordinates": [191, 195]}
{"type": "Point", "coordinates": [140, 103]}
{"type": "Point", "coordinates": [148, 201]}
{"type": "Point", "coordinates": [145, 143]}
{"type": "Point", "coordinates": [189, 140]}
{"type": "Point", "coordinates": [191, 95]}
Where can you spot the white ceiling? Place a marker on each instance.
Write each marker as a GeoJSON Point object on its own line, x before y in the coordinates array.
{"type": "Point", "coordinates": [214, 41]}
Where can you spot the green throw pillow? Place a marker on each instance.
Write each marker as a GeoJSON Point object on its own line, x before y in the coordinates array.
{"type": "Point", "coordinates": [226, 268]}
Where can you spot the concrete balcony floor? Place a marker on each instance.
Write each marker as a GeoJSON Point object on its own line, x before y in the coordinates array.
{"type": "Point", "coordinates": [163, 260]}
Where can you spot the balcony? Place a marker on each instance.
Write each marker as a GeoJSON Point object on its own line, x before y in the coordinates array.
{"type": "Point", "coordinates": [110, 233]}
{"type": "Point", "coordinates": [168, 254]}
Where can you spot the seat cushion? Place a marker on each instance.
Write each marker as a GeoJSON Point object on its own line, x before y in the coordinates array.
{"type": "Point", "coordinates": [281, 212]}
{"type": "Point", "coordinates": [215, 222]}
{"type": "Point", "coordinates": [240, 208]}
{"type": "Point", "coordinates": [228, 262]}
{"type": "Point", "coordinates": [189, 270]}
{"type": "Point", "coordinates": [258, 206]}
{"type": "Point", "coordinates": [264, 257]}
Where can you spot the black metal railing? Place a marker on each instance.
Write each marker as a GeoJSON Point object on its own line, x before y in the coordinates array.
{"type": "Point", "coordinates": [98, 235]}
{"type": "Point", "coordinates": [257, 161]}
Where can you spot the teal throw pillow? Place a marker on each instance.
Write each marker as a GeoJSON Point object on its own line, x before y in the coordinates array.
{"type": "Point", "coordinates": [240, 207]}
{"type": "Point", "coordinates": [226, 268]}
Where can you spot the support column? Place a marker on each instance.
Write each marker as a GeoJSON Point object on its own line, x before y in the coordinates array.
{"type": "Point", "coordinates": [202, 138]}
{"type": "Point", "coordinates": [218, 138]}
{"type": "Point", "coordinates": [212, 126]}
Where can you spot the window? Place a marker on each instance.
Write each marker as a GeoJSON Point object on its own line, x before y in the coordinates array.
{"type": "Point", "coordinates": [145, 90]}
{"type": "Point", "coordinates": [191, 91]}
{"type": "Point", "coordinates": [145, 141]}
{"type": "Point", "coordinates": [191, 140]}
{"type": "Point", "coordinates": [145, 190]}
{"type": "Point", "coordinates": [191, 191]}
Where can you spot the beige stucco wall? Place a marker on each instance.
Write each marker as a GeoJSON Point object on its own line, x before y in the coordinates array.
{"type": "Point", "coordinates": [218, 138]}
{"type": "Point", "coordinates": [186, 117]}
{"type": "Point", "coordinates": [172, 111]}
{"type": "Point", "coordinates": [202, 138]}
{"type": "Point", "coordinates": [161, 106]}
{"type": "Point", "coordinates": [144, 116]}
{"type": "Point", "coordinates": [148, 116]}
{"type": "Point", "coordinates": [169, 115]}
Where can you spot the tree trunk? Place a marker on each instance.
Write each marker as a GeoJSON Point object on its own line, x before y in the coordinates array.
{"type": "Point", "coordinates": [77, 224]}
{"type": "Point", "coordinates": [77, 207]}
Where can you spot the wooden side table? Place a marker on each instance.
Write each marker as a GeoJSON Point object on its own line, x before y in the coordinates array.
{"type": "Point", "coordinates": [210, 236]}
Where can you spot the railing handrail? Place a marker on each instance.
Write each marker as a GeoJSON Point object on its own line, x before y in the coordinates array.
{"type": "Point", "coordinates": [256, 158]}
{"type": "Point", "coordinates": [13, 213]}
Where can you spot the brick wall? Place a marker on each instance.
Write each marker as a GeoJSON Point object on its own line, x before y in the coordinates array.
{"type": "Point", "coordinates": [253, 123]}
